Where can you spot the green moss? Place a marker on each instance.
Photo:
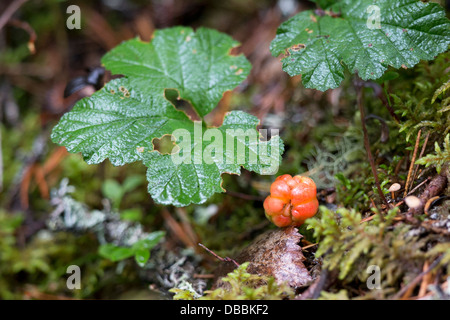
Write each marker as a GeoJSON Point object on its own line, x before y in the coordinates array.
{"type": "Point", "coordinates": [349, 246]}
{"type": "Point", "coordinates": [440, 158]}
{"type": "Point", "coordinates": [241, 285]}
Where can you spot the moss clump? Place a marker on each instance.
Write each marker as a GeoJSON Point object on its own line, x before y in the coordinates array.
{"type": "Point", "coordinates": [242, 286]}
{"type": "Point", "coordinates": [349, 246]}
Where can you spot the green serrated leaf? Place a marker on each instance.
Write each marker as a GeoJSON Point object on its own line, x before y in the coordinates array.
{"type": "Point", "coordinates": [321, 47]}
{"type": "Point", "coordinates": [193, 174]}
{"type": "Point", "coordinates": [197, 64]}
{"type": "Point", "coordinates": [117, 124]}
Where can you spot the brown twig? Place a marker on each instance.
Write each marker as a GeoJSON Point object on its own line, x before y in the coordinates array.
{"type": "Point", "coordinates": [421, 155]}
{"type": "Point", "coordinates": [309, 246]}
{"type": "Point", "coordinates": [320, 284]}
{"type": "Point", "coordinates": [411, 166]}
{"type": "Point", "coordinates": [418, 186]}
{"type": "Point", "coordinates": [427, 279]}
{"type": "Point", "coordinates": [177, 229]}
{"type": "Point", "coordinates": [226, 259]}
{"type": "Point", "coordinates": [41, 182]}
{"type": "Point", "coordinates": [9, 11]}
{"type": "Point", "coordinates": [186, 225]}
{"type": "Point", "coordinates": [314, 290]}
{"type": "Point", "coordinates": [25, 185]}
{"type": "Point", "coordinates": [203, 276]}
{"type": "Point", "coordinates": [54, 159]}
{"type": "Point", "coordinates": [20, 184]}
{"type": "Point", "coordinates": [417, 279]}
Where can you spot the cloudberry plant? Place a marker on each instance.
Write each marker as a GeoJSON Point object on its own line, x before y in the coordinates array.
{"type": "Point", "coordinates": [121, 121]}
{"type": "Point", "coordinates": [292, 200]}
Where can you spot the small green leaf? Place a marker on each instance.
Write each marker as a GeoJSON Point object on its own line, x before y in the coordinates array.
{"type": "Point", "coordinates": [321, 46]}
{"type": "Point", "coordinates": [112, 190]}
{"type": "Point", "coordinates": [131, 183]}
{"type": "Point", "coordinates": [133, 214]}
{"type": "Point", "coordinates": [143, 247]}
{"type": "Point", "coordinates": [140, 249]}
{"type": "Point", "coordinates": [115, 253]}
{"type": "Point", "coordinates": [150, 241]}
{"type": "Point", "coordinates": [141, 256]}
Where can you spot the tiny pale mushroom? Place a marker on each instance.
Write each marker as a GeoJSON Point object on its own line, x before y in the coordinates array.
{"type": "Point", "coordinates": [412, 202]}
{"type": "Point", "coordinates": [394, 187]}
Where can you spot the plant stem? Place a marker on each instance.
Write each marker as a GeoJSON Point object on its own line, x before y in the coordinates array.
{"type": "Point", "coordinates": [367, 143]}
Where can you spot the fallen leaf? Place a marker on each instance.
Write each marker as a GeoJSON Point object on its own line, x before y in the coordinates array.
{"type": "Point", "coordinates": [275, 253]}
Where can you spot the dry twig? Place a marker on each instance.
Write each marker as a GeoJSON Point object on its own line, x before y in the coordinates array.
{"type": "Point", "coordinates": [417, 279]}
{"type": "Point", "coordinates": [9, 11]}
{"type": "Point", "coordinates": [226, 259]}
{"type": "Point", "coordinates": [413, 160]}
